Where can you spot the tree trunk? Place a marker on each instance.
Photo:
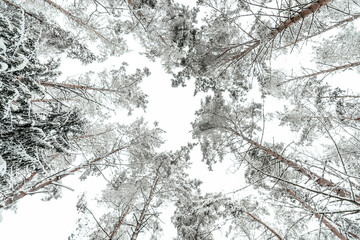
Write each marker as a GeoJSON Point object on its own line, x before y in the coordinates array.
{"type": "Point", "coordinates": [264, 224]}
{"type": "Point", "coordinates": [303, 14]}
{"type": "Point", "coordinates": [340, 191]}
{"type": "Point", "coordinates": [323, 219]}
{"type": "Point", "coordinates": [345, 21]}
{"type": "Point", "coordinates": [33, 15]}
{"type": "Point", "coordinates": [73, 86]}
{"type": "Point", "coordinates": [14, 197]}
{"type": "Point", "coordinates": [75, 19]}
{"type": "Point", "coordinates": [141, 219]}
{"type": "Point", "coordinates": [322, 72]}
{"type": "Point", "coordinates": [119, 223]}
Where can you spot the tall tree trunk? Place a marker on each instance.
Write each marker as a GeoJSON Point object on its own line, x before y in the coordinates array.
{"type": "Point", "coordinates": [323, 219]}
{"type": "Point", "coordinates": [14, 197]}
{"type": "Point", "coordinates": [330, 70]}
{"type": "Point", "coordinates": [323, 182]}
{"type": "Point", "coordinates": [73, 86]}
{"type": "Point", "coordinates": [33, 15]}
{"type": "Point", "coordinates": [345, 21]}
{"type": "Point", "coordinates": [119, 223]}
{"type": "Point", "coordinates": [301, 15]}
{"type": "Point", "coordinates": [77, 20]}
{"type": "Point", "coordinates": [140, 221]}
{"type": "Point", "coordinates": [288, 23]}
{"type": "Point", "coordinates": [264, 224]}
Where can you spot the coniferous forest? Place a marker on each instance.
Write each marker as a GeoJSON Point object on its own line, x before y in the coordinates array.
{"type": "Point", "coordinates": [235, 54]}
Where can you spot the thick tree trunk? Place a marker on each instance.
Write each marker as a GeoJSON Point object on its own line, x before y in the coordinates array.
{"type": "Point", "coordinates": [288, 23]}
{"type": "Point", "coordinates": [14, 197]}
{"type": "Point", "coordinates": [264, 224]}
{"type": "Point", "coordinates": [77, 20]}
{"type": "Point", "coordinates": [345, 21]}
{"type": "Point", "coordinates": [119, 223]}
{"type": "Point", "coordinates": [323, 182]}
{"type": "Point", "coordinates": [323, 219]}
{"type": "Point", "coordinates": [301, 15]}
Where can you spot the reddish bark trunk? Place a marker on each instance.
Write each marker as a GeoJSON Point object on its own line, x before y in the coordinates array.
{"type": "Point", "coordinates": [345, 21]}
{"type": "Point", "coordinates": [326, 222]}
{"type": "Point", "coordinates": [322, 72]}
{"type": "Point", "coordinates": [119, 223]}
{"type": "Point", "coordinates": [75, 19]}
{"type": "Point", "coordinates": [26, 12]}
{"type": "Point", "coordinates": [311, 175]}
{"type": "Point", "coordinates": [73, 86]}
{"type": "Point", "coordinates": [301, 15]}
{"type": "Point", "coordinates": [141, 219]}
{"type": "Point", "coordinates": [296, 18]}
{"type": "Point", "coordinates": [21, 194]}
{"type": "Point", "coordinates": [264, 224]}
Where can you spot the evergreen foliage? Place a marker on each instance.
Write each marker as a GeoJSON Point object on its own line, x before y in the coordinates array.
{"type": "Point", "coordinates": [307, 187]}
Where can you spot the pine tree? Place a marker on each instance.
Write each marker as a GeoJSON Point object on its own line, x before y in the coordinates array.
{"type": "Point", "coordinates": [27, 133]}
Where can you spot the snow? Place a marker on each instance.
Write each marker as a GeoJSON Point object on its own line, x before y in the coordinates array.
{"type": "Point", "coordinates": [21, 66]}
{"type": "Point", "coordinates": [2, 166]}
{"type": "Point", "coordinates": [3, 66]}
{"type": "Point", "coordinates": [2, 46]}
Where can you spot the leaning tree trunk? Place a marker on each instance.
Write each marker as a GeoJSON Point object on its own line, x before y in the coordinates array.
{"type": "Point", "coordinates": [323, 219]}
{"type": "Point", "coordinates": [15, 197]}
{"type": "Point", "coordinates": [264, 224]}
{"type": "Point", "coordinates": [282, 27]}
{"type": "Point", "coordinates": [330, 70]}
{"type": "Point", "coordinates": [141, 220]}
{"type": "Point", "coordinates": [73, 86]}
{"type": "Point", "coordinates": [345, 21]}
{"type": "Point", "coordinates": [321, 181]}
{"type": "Point", "coordinates": [77, 20]}
{"type": "Point", "coordinates": [301, 15]}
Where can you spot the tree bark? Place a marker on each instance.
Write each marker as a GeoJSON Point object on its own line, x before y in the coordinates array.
{"type": "Point", "coordinates": [13, 198]}
{"type": "Point", "coordinates": [285, 25]}
{"type": "Point", "coordinates": [323, 219]}
{"type": "Point", "coordinates": [73, 86]}
{"type": "Point", "coordinates": [264, 224]}
{"type": "Point", "coordinates": [301, 15]}
{"type": "Point", "coordinates": [322, 72]}
{"type": "Point", "coordinates": [345, 21]}
{"type": "Point", "coordinates": [119, 223]}
{"type": "Point", "coordinates": [141, 219]}
{"type": "Point", "coordinates": [75, 19]}
{"type": "Point", "coordinates": [323, 182]}
{"type": "Point", "coordinates": [33, 15]}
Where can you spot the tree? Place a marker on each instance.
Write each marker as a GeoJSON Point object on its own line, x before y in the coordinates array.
{"type": "Point", "coordinates": [109, 89]}
{"type": "Point", "coordinates": [230, 130]}
{"type": "Point", "coordinates": [307, 188]}
{"type": "Point", "coordinates": [27, 133]}
{"type": "Point", "coordinates": [137, 188]}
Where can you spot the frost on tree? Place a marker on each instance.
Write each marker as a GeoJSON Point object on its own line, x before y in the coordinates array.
{"type": "Point", "coordinates": [26, 130]}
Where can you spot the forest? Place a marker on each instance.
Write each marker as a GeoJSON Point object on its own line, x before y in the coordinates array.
{"type": "Point", "coordinates": [258, 69]}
